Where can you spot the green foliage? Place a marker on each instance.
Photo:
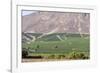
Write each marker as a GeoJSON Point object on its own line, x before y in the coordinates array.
{"type": "Point", "coordinates": [77, 55]}
{"type": "Point", "coordinates": [24, 53]}
{"type": "Point", "coordinates": [51, 57]}
{"type": "Point", "coordinates": [56, 56]}
{"type": "Point", "coordinates": [38, 46]}
{"type": "Point", "coordinates": [66, 46]}
{"type": "Point", "coordinates": [50, 47]}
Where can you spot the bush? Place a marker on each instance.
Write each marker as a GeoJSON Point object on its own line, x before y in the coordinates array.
{"type": "Point", "coordinates": [56, 46]}
{"type": "Point", "coordinates": [38, 46]}
{"type": "Point", "coordinates": [61, 56]}
{"type": "Point", "coordinates": [56, 56]}
{"type": "Point", "coordinates": [77, 55]}
{"type": "Point", "coordinates": [51, 56]}
{"type": "Point", "coordinates": [24, 53]}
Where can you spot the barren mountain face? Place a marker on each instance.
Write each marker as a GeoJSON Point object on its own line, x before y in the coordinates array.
{"type": "Point", "coordinates": [57, 22]}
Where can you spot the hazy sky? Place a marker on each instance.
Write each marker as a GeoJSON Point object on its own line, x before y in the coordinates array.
{"type": "Point", "coordinates": [24, 12]}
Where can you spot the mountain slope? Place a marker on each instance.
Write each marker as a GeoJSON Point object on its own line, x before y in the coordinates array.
{"type": "Point", "coordinates": [63, 22]}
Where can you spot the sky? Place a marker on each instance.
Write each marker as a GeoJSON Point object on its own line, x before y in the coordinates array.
{"type": "Point", "coordinates": [26, 12]}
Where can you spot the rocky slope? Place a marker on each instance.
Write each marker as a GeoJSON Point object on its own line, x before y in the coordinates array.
{"type": "Point", "coordinates": [62, 22]}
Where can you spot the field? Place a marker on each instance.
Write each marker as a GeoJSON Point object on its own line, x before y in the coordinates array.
{"type": "Point", "coordinates": [57, 46]}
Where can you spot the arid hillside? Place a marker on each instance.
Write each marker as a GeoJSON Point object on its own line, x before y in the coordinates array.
{"type": "Point", "coordinates": [62, 22]}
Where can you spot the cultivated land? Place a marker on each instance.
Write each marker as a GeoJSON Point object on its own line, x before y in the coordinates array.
{"type": "Point", "coordinates": [56, 46]}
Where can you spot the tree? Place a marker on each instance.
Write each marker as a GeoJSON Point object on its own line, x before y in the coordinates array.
{"type": "Point", "coordinates": [38, 46]}
{"type": "Point", "coordinates": [24, 53]}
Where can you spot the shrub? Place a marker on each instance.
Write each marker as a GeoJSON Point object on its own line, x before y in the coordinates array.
{"type": "Point", "coordinates": [38, 46]}
{"type": "Point", "coordinates": [56, 56]}
{"type": "Point", "coordinates": [51, 56]}
{"type": "Point", "coordinates": [24, 53]}
{"type": "Point", "coordinates": [61, 56]}
{"type": "Point", "coordinates": [56, 46]}
{"type": "Point", "coordinates": [77, 55]}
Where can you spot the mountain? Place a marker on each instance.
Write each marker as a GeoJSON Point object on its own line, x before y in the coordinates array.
{"type": "Point", "coordinates": [56, 22]}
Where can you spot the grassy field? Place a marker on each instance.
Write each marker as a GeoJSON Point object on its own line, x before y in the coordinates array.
{"type": "Point", "coordinates": [50, 47]}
